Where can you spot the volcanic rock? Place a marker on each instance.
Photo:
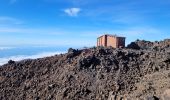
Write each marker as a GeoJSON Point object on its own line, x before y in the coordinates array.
{"type": "Point", "coordinates": [139, 72]}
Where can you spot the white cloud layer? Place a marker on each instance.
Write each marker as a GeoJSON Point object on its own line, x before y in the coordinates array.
{"type": "Point", "coordinates": [6, 48]}
{"type": "Point", "coordinates": [72, 11]}
{"type": "Point", "coordinates": [22, 57]}
{"type": "Point", "coordinates": [46, 33]}
{"type": "Point", "coordinates": [9, 20]}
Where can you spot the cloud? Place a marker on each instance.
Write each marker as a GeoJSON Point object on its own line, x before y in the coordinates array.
{"type": "Point", "coordinates": [13, 1]}
{"type": "Point", "coordinates": [22, 57]}
{"type": "Point", "coordinates": [57, 37]}
{"type": "Point", "coordinates": [5, 20]}
{"type": "Point", "coordinates": [131, 33]}
{"type": "Point", "coordinates": [49, 36]}
{"type": "Point", "coordinates": [30, 30]}
{"type": "Point", "coordinates": [72, 11]}
{"type": "Point", "coordinates": [6, 48]}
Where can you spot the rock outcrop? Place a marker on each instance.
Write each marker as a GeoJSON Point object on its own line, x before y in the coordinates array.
{"type": "Point", "coordinates": [97, 73]}
{"type": "Point", "coordinates": [142, 44]}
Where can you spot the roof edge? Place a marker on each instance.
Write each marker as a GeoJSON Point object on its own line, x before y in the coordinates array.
{"type": "Point", "coordinates": [112, 36]}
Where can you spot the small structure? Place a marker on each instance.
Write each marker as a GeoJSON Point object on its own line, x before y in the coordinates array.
{"type": "Point", "coordinates": [111, 40]}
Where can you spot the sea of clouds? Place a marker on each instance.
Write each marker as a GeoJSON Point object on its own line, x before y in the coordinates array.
{"type": "Point", "coordinates": [6, 48]}
{"type": "Point", "coordinates": [5, 60]}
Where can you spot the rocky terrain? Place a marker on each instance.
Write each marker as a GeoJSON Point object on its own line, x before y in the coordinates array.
{"type": "Point", "coordinates": [141, 71]}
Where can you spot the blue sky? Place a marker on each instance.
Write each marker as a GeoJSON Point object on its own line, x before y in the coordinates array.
{"type": "Point", "coordinates": [77, 23]}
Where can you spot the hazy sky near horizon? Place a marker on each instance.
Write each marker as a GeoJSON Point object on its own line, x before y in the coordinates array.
{"type": "Point", "coordinates": [78, 23]}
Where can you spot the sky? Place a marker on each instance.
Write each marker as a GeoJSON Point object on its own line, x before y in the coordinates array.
{"type": "Point", "coordinates": [77, 23]}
